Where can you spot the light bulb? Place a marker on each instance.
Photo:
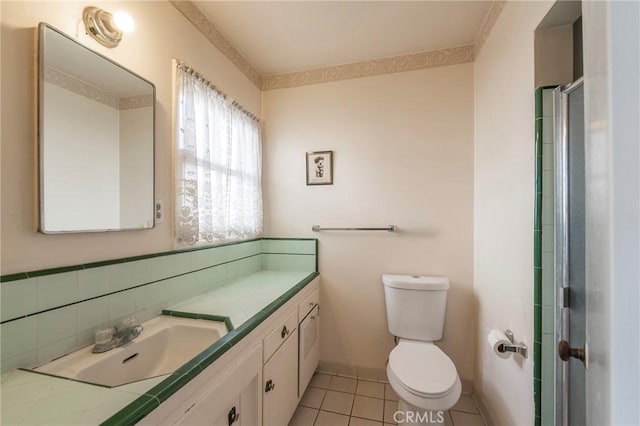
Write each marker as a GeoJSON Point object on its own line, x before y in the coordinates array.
{"type": "Point", "coordinates": [123, 21]}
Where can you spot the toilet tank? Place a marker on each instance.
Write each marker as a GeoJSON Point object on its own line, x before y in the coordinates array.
{"type": "Point", "coordinates": [416, 305]}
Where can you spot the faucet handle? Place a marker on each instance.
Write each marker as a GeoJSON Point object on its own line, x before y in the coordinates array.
{"type": "Point", "coordinates": [130, 322]}
{"type": "Point", "coordinates": [104, 335]}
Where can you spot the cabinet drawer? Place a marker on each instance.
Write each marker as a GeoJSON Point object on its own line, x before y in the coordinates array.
{"type": "Point", "coordinates": [279, 334]}
{"type": "Point", "coordinates": [307, 304]}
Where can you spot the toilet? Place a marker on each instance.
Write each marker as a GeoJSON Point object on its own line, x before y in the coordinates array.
{"type": "Point", "coordinates": [424, 377]}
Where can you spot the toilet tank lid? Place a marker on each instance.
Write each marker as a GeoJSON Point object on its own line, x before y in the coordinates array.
{"type": "Point", "coordinates": [415, 282]}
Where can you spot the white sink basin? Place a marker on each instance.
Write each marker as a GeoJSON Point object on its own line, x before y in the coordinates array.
{"type": "Point", "coordinates": [166, 343]}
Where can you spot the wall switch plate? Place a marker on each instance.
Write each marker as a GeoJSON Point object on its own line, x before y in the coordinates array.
{"type": "Point", "coordinates": [159, 212]}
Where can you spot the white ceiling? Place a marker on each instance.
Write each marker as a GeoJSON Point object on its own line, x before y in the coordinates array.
{"type": "Point", "coordinates": [284, 36]}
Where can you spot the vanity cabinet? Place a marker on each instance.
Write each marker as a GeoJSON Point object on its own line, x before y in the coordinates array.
{"type": "Point", "coordinates": [309, 348]}
{"type": "Point", "coordinates": [280, 372]}
{"type": "Point", "coordinates": [280, 379]}
{"type": "Point", "coordinates": [232, 400]}
{"type": "Point", "coordinates": [260, 380]}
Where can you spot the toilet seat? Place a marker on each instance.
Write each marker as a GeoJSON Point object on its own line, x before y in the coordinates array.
{"type": "Point", "coordinates": [423, 373]}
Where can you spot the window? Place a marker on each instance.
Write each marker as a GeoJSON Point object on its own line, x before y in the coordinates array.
{"type": "Point", "coordinates": [218, 165]}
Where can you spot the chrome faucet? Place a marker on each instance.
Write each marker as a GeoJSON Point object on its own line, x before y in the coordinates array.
{"type": "Point", "coordinates": [114, 337]}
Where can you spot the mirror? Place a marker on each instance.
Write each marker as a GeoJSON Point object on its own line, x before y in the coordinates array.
{"type": "Point", "coordinates": [96, 140]}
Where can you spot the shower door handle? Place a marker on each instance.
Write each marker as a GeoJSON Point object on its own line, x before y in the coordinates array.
{"type": "Point", "coordinates": [566, 352]}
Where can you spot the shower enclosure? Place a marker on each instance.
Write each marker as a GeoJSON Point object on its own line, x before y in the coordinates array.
{"type": "Point", "coordinates": [570, 253]}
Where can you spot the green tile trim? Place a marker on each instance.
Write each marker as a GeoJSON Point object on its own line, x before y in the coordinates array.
{"type": "Point", "coordinates": [14, 277]}
{"type": "Point", "coordinates": [538, 101]}
{"type": "Point", "coordinates": [163, 390]}
{"type": "Point", "coordinates": [537, 356]}
{"type": "Point", "coordinates": [52, 271]}
{"type": "Point", "coordinates": [317, 257]}
{"type": "Point", "coordinates": [134, 412]}
{"type": "Point", "coordinates": [537, 397]}
{"type": "Point", "coordinates": [218, 318]}
{"type": "Point", "coordinates": [141, 407]}
{"type": "Point", "coordinates": [290, 239]}
{"type": "Point", "coordinates": [537, 323]}
{"type": "Point", "coordinates": [290, 254]}
{"type": "Point", "coordinates": [273, 306]}
{"type": "Point", "coordinates": [212, 353]}
{"type": "Point", "coordinates": [537, 288]}
{"type": "Point", "coordinates": [537, 250]}
{"type": "Point", "coordinates": [92, 265]}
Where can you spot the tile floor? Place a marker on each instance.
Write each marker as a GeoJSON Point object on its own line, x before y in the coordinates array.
{"type": "Point", "coordinates": [332, 400]}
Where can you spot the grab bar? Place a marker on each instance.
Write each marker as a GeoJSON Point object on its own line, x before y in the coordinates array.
{"type": "Point", "coordinates": [390, 228]}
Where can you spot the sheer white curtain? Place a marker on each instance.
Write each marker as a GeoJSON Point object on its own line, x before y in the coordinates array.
{"type": "Point", "coordinates": [218, 165]}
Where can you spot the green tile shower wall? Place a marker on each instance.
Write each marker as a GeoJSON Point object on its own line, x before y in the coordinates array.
{"type": "Point", "coordinates": [537, 259]}
{"type": "Point", "coordinates": [544, 260]}
{"type": "Point", "coordinates": [51, 312]}
{"type": "Point", "coordinates": [548, 338]}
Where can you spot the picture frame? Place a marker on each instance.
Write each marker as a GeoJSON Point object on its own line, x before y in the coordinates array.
{"type": "Point", "coordinates": [320, 168]}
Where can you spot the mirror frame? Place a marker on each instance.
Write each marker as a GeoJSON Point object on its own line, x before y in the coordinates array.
{"type": "Point", "coordinates": [42, 26]}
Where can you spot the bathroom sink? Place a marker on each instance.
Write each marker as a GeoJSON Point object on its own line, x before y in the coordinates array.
{"type": "Point", "coordinates": [166, 343]}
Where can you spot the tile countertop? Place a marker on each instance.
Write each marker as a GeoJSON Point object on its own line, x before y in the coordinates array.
{"type": "Point", "coordinates": [29, 398]}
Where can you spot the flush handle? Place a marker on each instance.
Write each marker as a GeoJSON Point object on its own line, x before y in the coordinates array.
{"type": "Point", "coordinates": [285, 332]}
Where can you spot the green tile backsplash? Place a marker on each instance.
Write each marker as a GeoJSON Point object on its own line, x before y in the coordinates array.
{"type": "Point", "coordinates": [289, 246]}
{"type": "Point", "coordinates": [51, 312]}
{"type": "Point", "coordinates": [289, 262]}
{"type": "Point", "coordinates": [18, 298]}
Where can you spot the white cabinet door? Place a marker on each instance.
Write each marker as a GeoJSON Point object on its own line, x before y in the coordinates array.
{"type": "Point", "coordinates": [309, 347]}
{"type": "Point", "coordinates": [234, 399]}
{"type": "Point", "coordinates": [280, 384]}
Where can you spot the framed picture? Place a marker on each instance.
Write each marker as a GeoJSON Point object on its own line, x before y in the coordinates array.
{"type": "Point", "coordinates": [320, 168]}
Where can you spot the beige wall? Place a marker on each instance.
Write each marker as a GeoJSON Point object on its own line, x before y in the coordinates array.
{"type": "Point", "coordinates": [403, 147]}
{"type": "Point", "coordinates": [554, 56]}
{"type": "Point", "coordinates": [161, 34]}
{"type": "Point", "coordinates": [503, 215]}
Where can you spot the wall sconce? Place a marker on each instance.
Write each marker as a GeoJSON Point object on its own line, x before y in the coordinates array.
{"type": "Point", "coordinates": [105, 28]}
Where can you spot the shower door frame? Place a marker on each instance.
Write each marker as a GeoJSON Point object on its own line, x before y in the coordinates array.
{"type": "Point", "coordinates": [561, 127]}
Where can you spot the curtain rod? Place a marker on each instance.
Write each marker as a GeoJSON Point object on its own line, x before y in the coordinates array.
{"type": "Point", "coordinates": [181, 65]}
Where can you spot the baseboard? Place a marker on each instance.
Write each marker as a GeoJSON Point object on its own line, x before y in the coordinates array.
{"type": "Point", "coordinates": [371, 374]}
{"type": "Point", "coordinates": [467, 386]}
{"type": "Point", "coordinates": [353, 371]}
{"type": "Point", "coordinates": [482, 406]}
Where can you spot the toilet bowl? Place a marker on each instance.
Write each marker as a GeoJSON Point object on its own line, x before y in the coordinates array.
{"type": "Point", "coordinates": [423, 376]}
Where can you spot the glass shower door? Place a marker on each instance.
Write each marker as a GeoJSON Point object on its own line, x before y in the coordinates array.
{"type": "Point", "coordinates": [570, 254]}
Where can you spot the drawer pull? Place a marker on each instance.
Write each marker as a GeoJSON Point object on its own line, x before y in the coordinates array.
{"type": "Point", "coordinates": [233, 416]}
{"type": "Point", "coordinates": [285, 332]}
{"type": "Point", "coordinates": [269, 386]}
{"type": "Point", "coordinates": [311, 304]}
